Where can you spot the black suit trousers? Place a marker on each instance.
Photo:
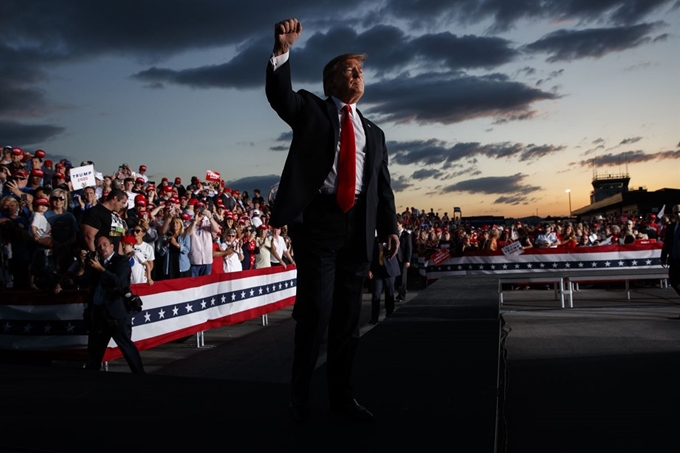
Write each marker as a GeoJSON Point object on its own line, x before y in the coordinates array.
{"type": "Point", "coordinates": [380, 284]}
{"type": "Point", "coordinates": [331, 270]}
{"type": "Point", "coordinates": [103, 327]}
{"type": "Point", "coordinates": [674, 274]}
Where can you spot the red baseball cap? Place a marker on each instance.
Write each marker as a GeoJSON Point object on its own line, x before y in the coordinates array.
{"type": "Point", "coordinates": [39, 153]}
{"type": "Point", "coordinates": [178, 180]}
{"type": "Point", "coordinates": [48, 163]}
{"type": "Point", "coordinates": [140, 200]}
{"type": "Point", "coordinates": [129, 239]}
{"type": "Point", "coordinates": [20, 174]}
{"type": "Point", "coordinates": [38, 173]}
{"type": "Point", "coordinates": [140, 180]}
{"type": "Point", "coordinates": [41, 202]}
{"type": "Point", "coordinates": [164, 179]}
{"type": "Point", "coordinates": [59, 175]}
{"type": "Point", "coordinates": [142, 168]}
{"type": "Point", "coordinates": [167, 189]}
{"type": "Point", "coordinates": [17, 152]}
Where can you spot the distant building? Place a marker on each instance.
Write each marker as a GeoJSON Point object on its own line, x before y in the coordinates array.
{"type": "Point", "coordinates": [611, 197]}
{"type": "Point", "coordinates": [605, 186]}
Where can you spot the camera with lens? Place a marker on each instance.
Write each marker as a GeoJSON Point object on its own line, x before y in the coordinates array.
{"type": "Point", "coordinates": [133, 303]}
{"type": "Point", "coordinates": [90, 256]}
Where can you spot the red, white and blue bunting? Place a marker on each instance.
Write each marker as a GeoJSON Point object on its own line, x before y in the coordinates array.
{"type": "Point", "coordinates": [41, 321]}
{"type": "Point", "coordinates": [546, 260]}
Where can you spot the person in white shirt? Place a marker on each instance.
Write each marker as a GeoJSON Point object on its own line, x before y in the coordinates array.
{"type": "Point", "coordinates": [279, 250]}
{"type": "Point", "coordinates": [140, 269]}
{"type": "Point", "coordinates": [264, 243]}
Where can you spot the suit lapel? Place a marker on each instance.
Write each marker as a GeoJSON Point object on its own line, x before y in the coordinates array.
{"type": "Point", "coordinates": [332, 111]}
{"type": "Point", "coordinates": [370, 149]}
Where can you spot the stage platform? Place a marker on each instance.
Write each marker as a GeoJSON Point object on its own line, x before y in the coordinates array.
{"type": "Point", "coordinates": [601, 376]}
{"type": "Point", "coordinates": [428, 373]}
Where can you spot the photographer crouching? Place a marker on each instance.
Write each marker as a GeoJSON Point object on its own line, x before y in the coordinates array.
{"type": "Point", "coordinates": [110, 307]}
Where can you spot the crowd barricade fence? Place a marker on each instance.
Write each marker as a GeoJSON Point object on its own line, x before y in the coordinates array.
{"type": "Point", "coordinates": [44, 325]}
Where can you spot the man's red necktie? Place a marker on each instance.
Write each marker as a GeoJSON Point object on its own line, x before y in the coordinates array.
{"type": "Point", "coordinates": [347, 163]}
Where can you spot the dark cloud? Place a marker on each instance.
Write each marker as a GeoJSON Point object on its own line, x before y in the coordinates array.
{"type": "Point", "coordinates": [472, 171]}
{"type": "Point", "coordinates": [592, 150]}
{"type": "Point", "coordinates": [627, 157]}
{"type": "Point", "coordinates": [245, 70]}
{"type": "Point", "coordinates": [153, 29]}
{"type": "Point", "coordinates": [20, 135]}
{"type": "Point", "coordinates": [629, 141]}
{"type": "Point", "coordinates": [401, 183]}
{"type": "Point", "coordinates": [464, 52]}
{"type": "Point", "coordinates": [440, 98]}
{"type": "Point", "coordinates": [387, 47]}
{"type": "Point", "coordinates": [568, 45]}
{"type": "Point", "coordinates": [512, 188]}
{"type": "Point", "coordinates": [426, 173]}
{"type": "Point", "coordinates": [513, 200]}
{"type": "Point", "coordinates": [436, 152]}
{"type": "Point", "coordinates": [598, 140]}
{"type": "Point", "coordinates": [505, 14]}
{"type": "Point", "coordinates": [285, 138]}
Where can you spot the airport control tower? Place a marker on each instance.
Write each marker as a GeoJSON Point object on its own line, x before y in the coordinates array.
{"type": "Point", "coordinates": [605, 186]}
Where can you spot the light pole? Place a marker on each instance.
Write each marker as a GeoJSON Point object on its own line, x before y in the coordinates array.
{"type": "Point", "coordinates": [569, 192]}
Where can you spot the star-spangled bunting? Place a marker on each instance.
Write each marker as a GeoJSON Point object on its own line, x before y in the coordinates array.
{"type": "Point", "coordinates": [463, 268]}
{"type": "Point", "coordinates": [78, 327]}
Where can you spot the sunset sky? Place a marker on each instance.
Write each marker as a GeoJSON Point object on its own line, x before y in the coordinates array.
{"type": "Point", "coordinates": [495, 106]}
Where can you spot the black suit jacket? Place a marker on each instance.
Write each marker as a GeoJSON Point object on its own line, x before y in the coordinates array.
{"type": "Point", "coordinates": [668, 244]}
{"type": "Point", "coordinates": [115, 282]}
{"type": "Point", "coordinates": [405, 247]}
{"type": "Point", "coordinates": [389, 268]}
{"type": "Point", "coordinates": [316, 127]}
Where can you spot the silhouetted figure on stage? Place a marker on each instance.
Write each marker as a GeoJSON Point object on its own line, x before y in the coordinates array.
{"type": "Point", "coordinates": [383, 273]}
{"type": "Point", "coordinates": [670, 253]}
{"type": "Point", "coordinates": [334, 194]}
{"type": "Point", "coordinates": [107, 314]}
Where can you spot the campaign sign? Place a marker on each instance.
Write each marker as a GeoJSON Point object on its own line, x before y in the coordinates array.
{"type": "Point", "coordinates": [211, 175]}
{"type": "Point", "coordinates": [512, 250]}
{"type": "Point", "coordinates": [82, 177]}
{"type": "Point", "coordinates": [440, 256]}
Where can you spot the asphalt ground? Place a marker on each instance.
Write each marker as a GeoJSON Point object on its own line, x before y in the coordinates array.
{"type": "Point", "coordinates": [599, 377]}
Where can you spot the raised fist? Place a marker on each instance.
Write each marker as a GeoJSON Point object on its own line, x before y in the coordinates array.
{"type": "Point", "coordinates": [286, 33]}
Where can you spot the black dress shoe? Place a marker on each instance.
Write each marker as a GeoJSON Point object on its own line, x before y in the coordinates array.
{"type": "Point", "coordinates": [299, 411]}
{"type": "Point", "coordinates": [353, 411]}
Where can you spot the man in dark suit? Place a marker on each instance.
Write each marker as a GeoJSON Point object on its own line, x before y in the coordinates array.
{"type": "Point", "coordinates": [383, 272]}
{"type": "Point", "coordinates": [670, 252]}
{"type": "Point", "coordinates": [334, 194]}
{"type": "Point", "coordinates": [107, 315]}
{"type": "Point", "coordinates": [403, 257]}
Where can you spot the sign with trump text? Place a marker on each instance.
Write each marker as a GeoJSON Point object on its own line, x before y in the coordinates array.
{"type": "Point", "coordinates": [211, 175]}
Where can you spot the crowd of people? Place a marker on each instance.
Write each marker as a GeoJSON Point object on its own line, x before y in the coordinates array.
{"type": "Point", "coordinates": [48, 226]}
{"type": "Point", "coordinates": [169, 230]}
{"type": "Point", "coordinates": [432, 232]}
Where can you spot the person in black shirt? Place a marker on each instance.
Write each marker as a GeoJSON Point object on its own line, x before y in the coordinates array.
{"type": "Point", "coordinates": [103, 220]}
